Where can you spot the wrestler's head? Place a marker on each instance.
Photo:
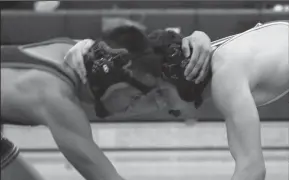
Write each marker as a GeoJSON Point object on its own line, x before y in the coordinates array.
{"type": "Point", "coordinates": [127, 54]}
{"type": "Point", "coordinates": [123, 51]}
{"type": "Point", "coordinates": [136, 42]}
{"type": "Point", "coordinates": [123, 55]}
{"type": "Point", "coordinates": [169, 45]}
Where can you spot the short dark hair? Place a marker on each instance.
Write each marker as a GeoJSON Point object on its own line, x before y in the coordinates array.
{"type": "Point", "coordinates": [138, 45]}
{"type": "Point", "coordinates": [128, 37]}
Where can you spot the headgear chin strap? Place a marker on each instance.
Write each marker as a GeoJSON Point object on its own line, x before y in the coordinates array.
{"type": "Point", "coordinates": [105, 67]}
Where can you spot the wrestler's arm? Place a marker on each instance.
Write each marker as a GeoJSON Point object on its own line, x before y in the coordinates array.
{"type": "Point", "coordinates": [72, 133]}
{"type": "Point", "coordinates": [232, 96]}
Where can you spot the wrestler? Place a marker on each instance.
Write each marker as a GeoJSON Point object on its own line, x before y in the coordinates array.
{"type": "Point", "coordinates": [39, 88]}
{"type": "Point", "coordinates": [246, 71]}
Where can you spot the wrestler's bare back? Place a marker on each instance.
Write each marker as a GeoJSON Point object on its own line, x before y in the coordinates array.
{"type": "Point", "coordinates": [36, 97]}
{"type": "Point", "coordinates": [22, 90]}
{"type": "Point", "coordinates": [261, 56]}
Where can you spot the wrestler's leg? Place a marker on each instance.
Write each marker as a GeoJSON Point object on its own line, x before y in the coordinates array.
{"type": "Point", "coordinates": [13, 166]}
{"type": "Point", "coordinates": [19, 170]}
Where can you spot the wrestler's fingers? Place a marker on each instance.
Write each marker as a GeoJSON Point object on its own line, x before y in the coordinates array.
{"type": "Point", "coordinates": [194, 64]}
{"type": "Point", "coordinates": [74, 48]}
{"type": "Point", "coordinates": [87, 45]}
{"type": "Point", "coordinates": [80, 64]}
{"type": "Point", "coordinates": [79, 67]}
{"type": "Point", "coordinates": [204, 71]}
{"type": "Point", "coordinates": [81, 46]}
{"type": "Point", "coordinates": [199, 65]}
{"type": "Point", "coordinates": [73, 60]}
{"type": "Point", "coordinates": [186, 47]}
{"type": "Point", "coordinates": [74, 57]}
{"type": "Point", "coordinates": [67, 55]}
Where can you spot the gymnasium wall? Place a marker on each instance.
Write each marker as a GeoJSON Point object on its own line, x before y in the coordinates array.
{"type": "Point", "coordinates": [21, 27]}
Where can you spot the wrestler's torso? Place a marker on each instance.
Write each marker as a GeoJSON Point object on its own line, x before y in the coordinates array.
{"type": "Point", "coordinates": [261, 55]}
{"type": "Point", "coordinates": [46, 56]}
{"type": "Point", "coordinates": [22, 89]}
{"type": "Point", "coordinates": [25, 81]}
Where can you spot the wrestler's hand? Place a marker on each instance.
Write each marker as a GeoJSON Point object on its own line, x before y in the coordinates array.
{"type": "Point", "coordinates": [74, 57]}
{"type": "Point", "coordinates": [198, 48]}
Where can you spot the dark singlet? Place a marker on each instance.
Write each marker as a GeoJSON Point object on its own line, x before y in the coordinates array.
{"type": "Point", "coordinates": [9, 151]}
{"type": "Point", "coordinates": [16, 57]}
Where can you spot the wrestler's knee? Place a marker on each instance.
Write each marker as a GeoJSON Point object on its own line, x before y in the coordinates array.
{"type": "Point", "coordinates": [9, 152]}
{"type": "Point", "coordinates": [19, 170]}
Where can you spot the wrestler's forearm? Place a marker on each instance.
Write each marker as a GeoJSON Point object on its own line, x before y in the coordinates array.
{"type": "Point", "coordinates": [72, 133]}
{"type": "Point", "coordinates": [249, 173]}
{"type": "Point", "coordinates": [88, 159]}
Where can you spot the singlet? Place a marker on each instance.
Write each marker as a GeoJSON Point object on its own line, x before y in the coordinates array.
{"type": "Point", "coordinates": [19, 58]}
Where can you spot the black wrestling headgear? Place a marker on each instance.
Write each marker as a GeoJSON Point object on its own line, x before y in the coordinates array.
{"type": "Point", "coordinates": [169, 44]}
{"type": "Point", "coordinates": [105, 64]}
{"type": "Point", "coordinates": [105, 67]}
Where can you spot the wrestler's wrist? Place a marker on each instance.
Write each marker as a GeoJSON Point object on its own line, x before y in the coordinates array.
{"type": "Point", "coordinates": [117, 177]}
{"type": "Point", "coordinates": [114, 176]}
{"type": "Point", "coordinates": [251, 174]}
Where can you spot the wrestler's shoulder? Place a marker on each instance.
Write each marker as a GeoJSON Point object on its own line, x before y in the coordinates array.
{"type": "Point", "coordinates": [230, 56]}
{"type": "Point", "coordinates": [46, 83]}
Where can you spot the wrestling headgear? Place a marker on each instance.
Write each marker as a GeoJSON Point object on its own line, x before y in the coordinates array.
{"type": "Point", "coordinates": [106, 66]}
{"type": "Point", "coordinates": [169, 45]}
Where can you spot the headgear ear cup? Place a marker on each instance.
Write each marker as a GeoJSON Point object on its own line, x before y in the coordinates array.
{"type": "Point", "coordinates": [99, 64]}
{"type": "Point", "coordinates": [105, 67]}
{"type": "Point", "coordinates": [169, 44]}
